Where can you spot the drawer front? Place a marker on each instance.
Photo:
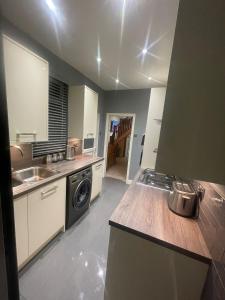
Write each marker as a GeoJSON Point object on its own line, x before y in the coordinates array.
{"type": "Point", "coordinates": [46, 213]}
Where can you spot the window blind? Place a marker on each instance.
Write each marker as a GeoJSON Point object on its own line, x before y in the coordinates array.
{"type": "Point", "coordinates": [57, 120]}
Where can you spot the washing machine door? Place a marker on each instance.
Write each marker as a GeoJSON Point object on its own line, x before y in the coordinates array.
{"type": "Point", "coordinates": [82, 195]}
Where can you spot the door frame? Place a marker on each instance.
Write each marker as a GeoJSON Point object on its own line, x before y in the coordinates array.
{"type": "Point", "coordinates": [106, 140]}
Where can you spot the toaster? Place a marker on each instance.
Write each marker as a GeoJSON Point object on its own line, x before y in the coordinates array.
{"type": "Point", "coordinates": [185, 198]}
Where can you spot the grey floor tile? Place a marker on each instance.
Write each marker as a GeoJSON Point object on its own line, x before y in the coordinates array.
{"type": "Point", "coordinates": [73, 267]}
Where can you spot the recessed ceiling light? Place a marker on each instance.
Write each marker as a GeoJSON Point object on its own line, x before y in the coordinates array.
{"type": "Point", "coordinates": [99, 59]}
{"type": "Point", "coordinates": [144, 51]}
{"type": "Point", "coordinates": [117, 80]}
{"type": "Point", "coordinates": [149, 78]}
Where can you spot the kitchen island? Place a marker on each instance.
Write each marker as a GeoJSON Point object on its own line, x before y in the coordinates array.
{"type": "Point", "coordinates": [154, 253]}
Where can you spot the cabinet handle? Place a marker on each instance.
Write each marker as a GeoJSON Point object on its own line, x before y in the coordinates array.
{"type": "Point", "coordinates": [90, 134]}
{"type": "Point", "coordinates": [48, 192]}
{"type": "Point", "coordinates": [34, 134]}
{"type": "Point", "coordinates": [97, 167]}
{"type": "Point", "coordinates": [155, 150]}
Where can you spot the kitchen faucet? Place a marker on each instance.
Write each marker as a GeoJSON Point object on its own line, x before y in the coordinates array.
{"type": "Point", "coordinates": [18, 148]}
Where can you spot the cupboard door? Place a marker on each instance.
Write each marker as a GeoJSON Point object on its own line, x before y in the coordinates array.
{"type": "Point", "coordinates": [21, 228]}
{"type": "Point", "coordinates": [90, 113]}
{"type": "Point", "coordinates": [153, 127]}
{"type": "Point", "coordinates": [97, 174]}
{"type": "Point", "coordinates": [46, 213]}
{"type": "Point", "coordinates": [27, 78]}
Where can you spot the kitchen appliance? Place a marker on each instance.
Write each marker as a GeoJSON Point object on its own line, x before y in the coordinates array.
{"type": "Point", "coordinates": [156, 180]}
{"type": "Point", "coordinates": [79, 186]}
{"type": "Point", "coordinates": [70, 152]}
{"type": "Point", "coordinates": [55, 157]}
{"type": "Point", "coordinates": [49, 159]}
{"type": "Point", "coordinates": [89, 143]}
{"type": "Point", "coordinates": [185, 198]}
{"type": "Point", "coordinates": [61, 156]}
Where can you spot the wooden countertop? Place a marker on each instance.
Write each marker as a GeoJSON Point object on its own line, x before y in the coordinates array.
{"type": "Point", "coordinates": [64, 168]}
{"type": "Point", "coordinates": [144, 211]}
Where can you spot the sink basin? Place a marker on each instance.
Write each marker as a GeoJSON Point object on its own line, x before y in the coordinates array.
{"type": "Point", "coordinates": [16, 182]}
{"type": "Point", "coordinates": [33, 174]}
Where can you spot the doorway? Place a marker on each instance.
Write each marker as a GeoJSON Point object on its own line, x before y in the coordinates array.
{"type": "Point", "coordinates": [118, 144]}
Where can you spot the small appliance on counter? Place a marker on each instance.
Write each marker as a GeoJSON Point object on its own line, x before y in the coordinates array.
{"type": "Point", "coordinates": [73, 148]}
{"type": "Point", "coordinates": [156, 180]}
{"type": "Point", "coordinates": [185, 198]}
{"type": "Point", "coordinates": [70, 152]}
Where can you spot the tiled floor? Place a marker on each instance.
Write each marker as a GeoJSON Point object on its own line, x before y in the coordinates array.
{"type": "Point", "coordinates": [73, 267]}
{"type": "Point", "coordinates": [119, 170]}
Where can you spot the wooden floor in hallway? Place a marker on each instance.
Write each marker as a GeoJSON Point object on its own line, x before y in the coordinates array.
{"type": "Point", "coordinates": [119, 170]}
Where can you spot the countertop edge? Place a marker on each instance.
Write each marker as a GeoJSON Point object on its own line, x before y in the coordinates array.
{"type": "Point", "coordinates": [53, 178]}
{"type": "Point", "coordinates": [165, 244]}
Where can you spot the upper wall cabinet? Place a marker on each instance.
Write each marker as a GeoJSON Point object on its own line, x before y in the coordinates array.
{"type": "Point", "coordinates": [83, 109]}
{"type": "Point", "coordinates": [192, 140]}
{"type": "Point", "coordinates": [27, 80]}
{"type": "Point", "coordinates": [153, 127]}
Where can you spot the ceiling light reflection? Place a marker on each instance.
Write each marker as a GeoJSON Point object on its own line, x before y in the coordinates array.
{"type": "Point", "coordinates": [122, 21]}
{"type": "Point", "coordinates": [51, 5]}
{"type": "Point", "coordinates": [153, 79]}
{"type": "Point", "coordinates": [99, 59]}
{"type": "Point", "coordinates": [144, 51]}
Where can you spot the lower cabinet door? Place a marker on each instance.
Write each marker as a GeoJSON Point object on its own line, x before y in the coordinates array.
{"type": "Point", "coordinates": [97, 174]}
{"type": "Point", "coordinates": [46, 213]}
{"type": "Point", "coordinates": [21, 228]}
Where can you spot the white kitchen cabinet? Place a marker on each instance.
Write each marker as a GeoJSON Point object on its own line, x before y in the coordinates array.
{"type": "Point", "coordinates": [21, 229]}
{"type": "Point", "coordinates": [153, 127]}
{"type": "Point", "coordinates": [27, 81]}
{"type": "Point", "coordinates": [97, 175]}
{"type": "Point", "coordinates": [82, 112]}
{"type": "Point", "coordinates": [128, 275]}
{"type": "Point", "coordinates": [90, 113]}
{"type": "Point", "coordinates": [46, 213]}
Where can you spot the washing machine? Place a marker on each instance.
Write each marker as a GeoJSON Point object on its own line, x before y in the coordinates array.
{"type": "Point", "coordinates": [78, 195]}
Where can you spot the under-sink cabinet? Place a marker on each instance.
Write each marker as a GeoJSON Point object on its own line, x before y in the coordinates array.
{"type": "Point", "coordinates": [46, 213]}
{"type": "Point", "coordinates": [97, 175]}
{"type": "Point", "coordinates": [39, 216]}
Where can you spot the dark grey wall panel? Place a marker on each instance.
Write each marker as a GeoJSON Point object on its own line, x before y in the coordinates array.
{"type": "Point", "coordinates": [57, 120]}
{"type": "Point", "coordinates": [192, 141]}
{"type": "Point", "coordinates": [128, 101]}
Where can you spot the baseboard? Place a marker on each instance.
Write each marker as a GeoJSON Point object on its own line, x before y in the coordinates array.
{"type": "Point", "coordinates": [129, 181]}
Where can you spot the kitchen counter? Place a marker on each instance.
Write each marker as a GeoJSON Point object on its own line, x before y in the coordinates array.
{"type": "Point", "coordinates": [63, 168]}
{"type": "Point", "coordinates": [143, 211]}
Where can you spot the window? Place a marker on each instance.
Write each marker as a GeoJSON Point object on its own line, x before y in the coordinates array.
{"type": "Point", "coordinates": [57, 120]}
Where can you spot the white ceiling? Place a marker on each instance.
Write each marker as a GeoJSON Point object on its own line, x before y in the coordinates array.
{"type": "Point", "coordinates": [74, 30]}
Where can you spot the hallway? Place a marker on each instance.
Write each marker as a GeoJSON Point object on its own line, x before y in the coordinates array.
{"type": "Point", "coordinates": [118, 170]}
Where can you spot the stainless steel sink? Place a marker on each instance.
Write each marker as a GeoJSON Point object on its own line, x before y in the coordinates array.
{"type": "Point", "coordinates": [16, 182]}
{"type": "Point", "coordinates": [30, 175]}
